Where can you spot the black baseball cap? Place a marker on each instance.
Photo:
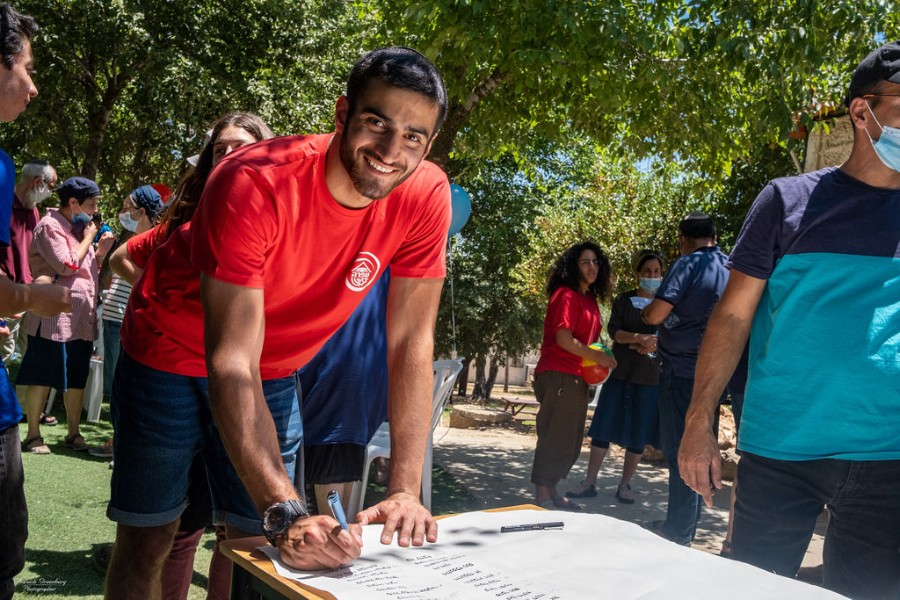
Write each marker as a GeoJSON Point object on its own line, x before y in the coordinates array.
{"type": "Point", "coordinates": [881, 65]}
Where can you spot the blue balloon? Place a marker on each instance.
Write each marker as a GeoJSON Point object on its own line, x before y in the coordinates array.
{"type": "Point", "coordinates": [460, 209]}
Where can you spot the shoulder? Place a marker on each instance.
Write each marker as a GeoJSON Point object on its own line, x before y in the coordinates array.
{"type": "Point", "coordinates": [791, 192]}
{"type": "Point", "coordinates": [426, 180]}
{"type": "Point", "coordinates": [277, 152]}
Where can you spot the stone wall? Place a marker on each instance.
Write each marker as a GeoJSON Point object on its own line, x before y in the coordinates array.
{"type": "Point", "coordinates": [831, 148]}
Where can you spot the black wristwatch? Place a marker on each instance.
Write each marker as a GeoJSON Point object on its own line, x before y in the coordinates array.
{"type": "Point", "coordinates": [279, 517]}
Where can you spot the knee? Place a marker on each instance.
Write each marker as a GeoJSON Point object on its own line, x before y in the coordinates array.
{"type": "Point", "coordinates": [143, 545]}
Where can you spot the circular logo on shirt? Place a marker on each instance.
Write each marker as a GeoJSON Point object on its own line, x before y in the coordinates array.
{"type": "Point", "coordinates": [363, 272]}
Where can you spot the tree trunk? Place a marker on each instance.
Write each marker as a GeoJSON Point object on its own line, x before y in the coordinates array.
{"type": "Point", "coordinates": [98, 121]}
{"type": "Point", "coordinates": [491, 378]}
{"type": "Point", "coordinates": [457, 115]}
{"type": "Point", "coordinates": [479, 392]}
{"type": "Point", "coordinates": [463, 380]}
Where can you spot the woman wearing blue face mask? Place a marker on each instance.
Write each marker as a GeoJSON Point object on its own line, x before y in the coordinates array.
{"type": "Point", "coordinates": [626, 412]}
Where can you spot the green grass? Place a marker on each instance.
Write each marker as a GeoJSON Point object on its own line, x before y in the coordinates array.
{"type": "Point", "coordinates": [67, 493]}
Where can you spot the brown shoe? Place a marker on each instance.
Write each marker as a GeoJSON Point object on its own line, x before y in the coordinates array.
{"type": "Point", "coordinates": [76, 443]}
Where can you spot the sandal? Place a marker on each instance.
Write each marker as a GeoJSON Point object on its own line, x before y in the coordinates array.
{"type": "Point", "coordinates": [587, 491]}
{"type": "Point", "coordinates": [35, 445]}
{"type": "Point", "coordinates": [48, 420]}
{"type": "Point", "coordinates": [76, 443]}
{"type": "Point", "coordinates": [624, 494]}
{"type": "Point", "coordinates": [562, 503]}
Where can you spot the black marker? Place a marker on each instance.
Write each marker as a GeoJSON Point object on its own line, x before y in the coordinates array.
{"type": "Point", "coordinates": [532, 527]}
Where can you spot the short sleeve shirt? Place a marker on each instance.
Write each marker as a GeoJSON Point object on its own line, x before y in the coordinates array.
{"type": "Point", "coordinates": [579, 314]}
{"type": "Point", "coordinates": [692, 286]}
{"type": "Point", "coordinates": [824, 359]}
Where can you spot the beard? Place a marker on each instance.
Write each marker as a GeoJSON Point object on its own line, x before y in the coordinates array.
{"type": "Point", "coordinates": [369, 186]}
{"type": "Point", "coordinates": [33, 197]}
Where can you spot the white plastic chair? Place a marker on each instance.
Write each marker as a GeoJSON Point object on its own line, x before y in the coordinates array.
{"type": "Point", "coordinates": [445, 373]}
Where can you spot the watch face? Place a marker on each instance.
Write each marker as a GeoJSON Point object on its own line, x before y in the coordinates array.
{"type": "Point", "coordinates": [277, 519]}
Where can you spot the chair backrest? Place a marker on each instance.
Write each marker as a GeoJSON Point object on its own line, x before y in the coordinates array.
{"type": "Point", "coordinates": [445, 373]}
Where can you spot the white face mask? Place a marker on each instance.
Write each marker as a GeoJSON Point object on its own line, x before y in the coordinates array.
{"type": "Point", "coordinates": [35, 196]}
{"type": "Point", "coordinates": [127, 222]}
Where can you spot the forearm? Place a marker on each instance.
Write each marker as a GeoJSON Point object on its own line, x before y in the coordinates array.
{"type": "Point", "coordinates": [630, 337]}
{"type": "Point", "coordinates": [248, 432]}
{"type": "Point", "coordinates": [410, 380]}
{"type": "Point", "coordinates": [724, 341]}
{"type": "Point", "coordinates": [13, 297]}
{"type": "Point", "coordinates": [122, 265]}
{"type": "Point", "coordinates": [82, 249]}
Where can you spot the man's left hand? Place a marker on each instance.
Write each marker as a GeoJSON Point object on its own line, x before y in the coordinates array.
{"type": "Point", "coordinates": [700, 462]}
{"type": "Point", "coordinates": [404, 515]}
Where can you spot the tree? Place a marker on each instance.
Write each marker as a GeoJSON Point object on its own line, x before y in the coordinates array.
{"type": "Point", "coordinates": [493, 321]}
{"type": "Point", "coordinates": [705, 82]}
{"type": "Point", "coordinates": [127, 88]}
{"type": "Point", "coordinates": [624, 206]}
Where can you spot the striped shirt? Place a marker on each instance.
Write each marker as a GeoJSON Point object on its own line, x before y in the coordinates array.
{"type": "Point", "coordinates": [116, 300]}
{"type": "Point", "coordinates": [54, 253]}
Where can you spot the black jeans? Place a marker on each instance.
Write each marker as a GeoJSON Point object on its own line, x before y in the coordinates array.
{"type": "Point", "coordinates": [13, 511]}
{"type": "Point", "coordinates": [778, 502]}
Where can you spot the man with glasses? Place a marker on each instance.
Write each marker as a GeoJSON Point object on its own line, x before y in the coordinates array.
{"type": "Point", "coordinates": [681, 308]}
{"type": "Point", "coordinates": [815, 284]}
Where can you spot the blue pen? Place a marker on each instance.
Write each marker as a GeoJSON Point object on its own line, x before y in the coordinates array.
{"type": "Point", "coordinates": [334, 501]}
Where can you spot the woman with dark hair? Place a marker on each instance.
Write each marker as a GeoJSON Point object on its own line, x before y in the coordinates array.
{"type": "Point", "coordinates": [230, 132]}
{"type": "Point", "coordinates": [627, 412]}
{"type": "Point", "coordinates": [577, 280]}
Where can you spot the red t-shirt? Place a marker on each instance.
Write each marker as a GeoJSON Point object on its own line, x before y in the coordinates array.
{"type": "Point", "coordinates": [267, 220]}
{"type": "Point", "coordinates": [579, 314]}
{"type": "Point", "coordinates": [163, 323]}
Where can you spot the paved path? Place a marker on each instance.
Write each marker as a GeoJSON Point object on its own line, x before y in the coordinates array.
{"type": "Point", "coordinates": [494, 465]}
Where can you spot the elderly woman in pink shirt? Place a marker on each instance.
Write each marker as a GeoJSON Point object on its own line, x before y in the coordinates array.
{"type": "Point", "coordinates": [60, 347]}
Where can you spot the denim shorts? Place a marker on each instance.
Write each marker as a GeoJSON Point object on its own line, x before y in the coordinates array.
{"type": "Point", "coordinates": [162, 421]}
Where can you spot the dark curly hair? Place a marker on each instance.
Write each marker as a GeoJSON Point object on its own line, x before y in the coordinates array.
{"type": "Point", "coordinates": [565, 272]}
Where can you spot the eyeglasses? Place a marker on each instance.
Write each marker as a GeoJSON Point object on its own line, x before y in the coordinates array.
{"type": "Point", "coordinates": [586, 262]}
{"type": "Point", "coordinates": [880, 95]}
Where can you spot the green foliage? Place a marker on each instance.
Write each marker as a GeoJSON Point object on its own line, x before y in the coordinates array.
{"type": "Point", "coordinates": [492, 320]}
{"type": "Point", "coordinates": [127, 88]}
{"type": "Point", "coordinates": [624, 206]}
{"type": "Point", "coordinates": [705, 82]}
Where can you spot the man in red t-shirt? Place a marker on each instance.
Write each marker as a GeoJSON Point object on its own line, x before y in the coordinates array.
{"type": "Point", "coordinates": [261, 252]}
{"type": "Point", "coordinates": [289, 236]}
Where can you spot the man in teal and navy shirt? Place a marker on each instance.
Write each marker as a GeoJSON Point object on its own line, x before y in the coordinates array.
{"type": "Point", "coordinates": [815, 283]}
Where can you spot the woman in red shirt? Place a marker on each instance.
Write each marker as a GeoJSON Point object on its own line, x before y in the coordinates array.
{"type": "Point", "coordinates": [579, 278]}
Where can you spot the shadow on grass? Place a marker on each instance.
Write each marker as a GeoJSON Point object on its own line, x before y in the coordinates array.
{"type": "Point", "coordinates": [62, 574]}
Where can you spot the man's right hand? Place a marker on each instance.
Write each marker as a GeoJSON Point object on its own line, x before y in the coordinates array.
{"type": "Point", "coordinates": [316, 543]}
{"type": "Point", "coordinates": [48, 299]}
